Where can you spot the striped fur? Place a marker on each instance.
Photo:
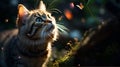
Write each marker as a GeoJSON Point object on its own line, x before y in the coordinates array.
{"type": "Point", "coordinates": [30, 44]}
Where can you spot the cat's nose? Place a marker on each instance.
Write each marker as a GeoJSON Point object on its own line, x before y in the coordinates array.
{"type": "Point", "coordinates": [47, 21]}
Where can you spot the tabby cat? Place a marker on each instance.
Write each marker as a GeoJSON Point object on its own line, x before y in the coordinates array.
{"type": "Point", "coordinates": [30, 44]}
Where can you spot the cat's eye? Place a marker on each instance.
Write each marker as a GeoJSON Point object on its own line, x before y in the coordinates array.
{"type": "Point", "coordinates": [38, 19]}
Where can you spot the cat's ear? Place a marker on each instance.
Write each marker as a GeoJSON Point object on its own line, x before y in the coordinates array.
{"type": "Point", "coordinates": [22, 11]}
{"type": "Point", "coordinates": [42, 6]}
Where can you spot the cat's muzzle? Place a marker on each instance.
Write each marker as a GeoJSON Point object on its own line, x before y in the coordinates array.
{"type": "Point", "coordinates": [47, 26]}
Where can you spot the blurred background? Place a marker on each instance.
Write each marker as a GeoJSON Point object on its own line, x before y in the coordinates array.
{"type": "Point", "coordinates": [92, 34]}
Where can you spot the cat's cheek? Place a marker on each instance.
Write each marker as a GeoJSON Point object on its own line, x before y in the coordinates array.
{"type": "Point", "coordinates": [55, 35]}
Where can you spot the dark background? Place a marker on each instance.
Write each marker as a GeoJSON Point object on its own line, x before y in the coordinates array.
{"type": "Point", "coordinates": [106, 49]}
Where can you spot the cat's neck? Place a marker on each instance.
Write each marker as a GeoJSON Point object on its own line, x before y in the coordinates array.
{"type": "Point", "coordinates": [33, 49]}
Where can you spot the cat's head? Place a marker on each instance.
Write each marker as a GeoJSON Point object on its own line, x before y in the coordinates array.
{"type": "Point", "coordinates": [37, 25]}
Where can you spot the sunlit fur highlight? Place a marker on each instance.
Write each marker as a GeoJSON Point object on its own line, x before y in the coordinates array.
{"type": "Point", "coordinates": [45, 37]}
{"type": "Point", "coordinates": [26, 28]}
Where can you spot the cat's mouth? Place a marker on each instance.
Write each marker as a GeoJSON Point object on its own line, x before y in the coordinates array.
{"type": "Point", "coordinates": [40, 30]}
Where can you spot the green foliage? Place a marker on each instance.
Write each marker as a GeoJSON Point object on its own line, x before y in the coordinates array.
{"type": "Point", "coordinates": [66, 59]}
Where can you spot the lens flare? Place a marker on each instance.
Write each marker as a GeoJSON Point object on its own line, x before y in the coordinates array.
{"type": "Point", "coordinates": [68, 14]}
{"type": "Point", "coordinates": [6, 20]}
{"type": "Point", "coordinates": [71, 5]}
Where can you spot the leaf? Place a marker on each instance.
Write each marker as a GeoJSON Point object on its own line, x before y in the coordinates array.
{"type": "Point", "coordinates": [80, 6]}
{"type": "Point", "coordinates": [90, 1]}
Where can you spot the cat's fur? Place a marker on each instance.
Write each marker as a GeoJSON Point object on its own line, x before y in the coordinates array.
{"type": "Point", "coordinates": [30, 44]}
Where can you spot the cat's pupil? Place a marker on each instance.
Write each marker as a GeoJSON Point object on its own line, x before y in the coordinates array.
{"type": "Point", "coordinates": [38, 19]}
